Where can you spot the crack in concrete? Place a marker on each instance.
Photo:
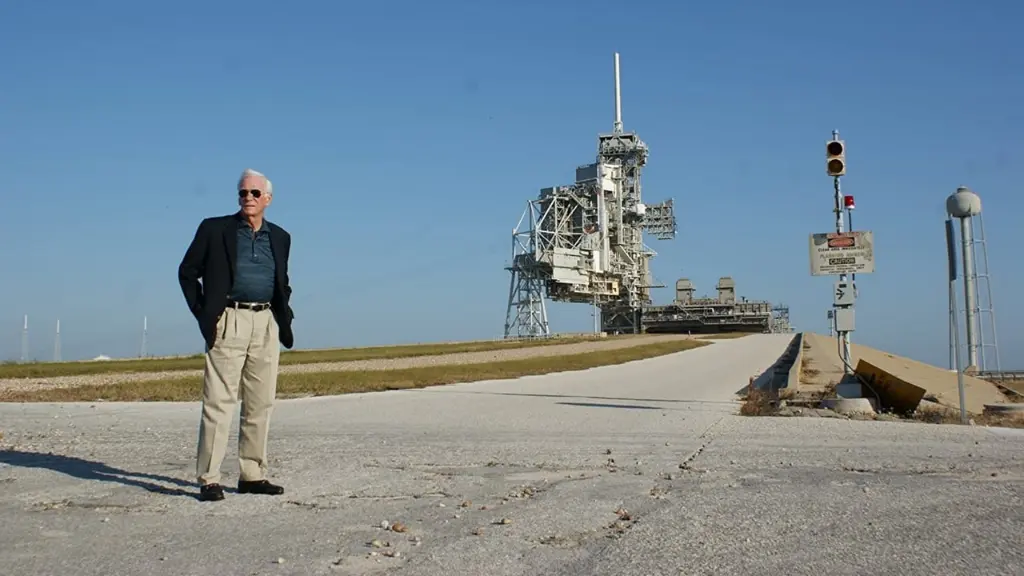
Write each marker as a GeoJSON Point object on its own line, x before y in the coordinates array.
{"type": "Point", "coordinates": [708, 438]}
{"type": "Point", "coordinates": [953, 471]}
{"type": "Point", "coordinates": [51, 506]}
{"type": "Point", "coordinates": [656, 499]}
{"type": "Point", "coordinates": [573, 540]}
{"type": "Point", "coordinates": [315, 506]}
{"type": "Point", "coordinates": [415, 496]}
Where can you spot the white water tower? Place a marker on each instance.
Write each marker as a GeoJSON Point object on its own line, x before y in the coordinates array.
{"type": "Point", "coordinates": [965, 206]}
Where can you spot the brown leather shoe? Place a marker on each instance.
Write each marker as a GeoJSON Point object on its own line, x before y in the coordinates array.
{"type": "Point", "coordinates": [259, 487]}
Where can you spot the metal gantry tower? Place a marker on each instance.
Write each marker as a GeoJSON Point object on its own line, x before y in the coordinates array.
{"type": "Point", "coordinates": [621, 157]}
{"type": "Point", "coordinates": [779, 323]}
{"type": "Point", "coordinates": [584, 241]}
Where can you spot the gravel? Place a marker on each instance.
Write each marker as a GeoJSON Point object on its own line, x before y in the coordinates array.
{"type": "Point", "coordinates": [24, 384]}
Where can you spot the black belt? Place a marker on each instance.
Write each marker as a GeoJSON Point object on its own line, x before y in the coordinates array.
{"type": "Point", "coordinates": [254, 306]}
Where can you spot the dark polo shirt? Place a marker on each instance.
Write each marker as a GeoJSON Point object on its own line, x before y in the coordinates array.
{"type": "Point", "coordinates": [254, 270]}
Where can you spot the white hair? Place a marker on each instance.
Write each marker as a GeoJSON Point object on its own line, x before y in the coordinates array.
{"type": "Point", "coordinates": [250, 172]}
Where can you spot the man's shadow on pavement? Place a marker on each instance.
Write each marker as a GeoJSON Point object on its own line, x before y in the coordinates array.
{"type": "Point", "coordinates": [91, 470]}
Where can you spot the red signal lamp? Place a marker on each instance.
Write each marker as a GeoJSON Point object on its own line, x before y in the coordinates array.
{"type": "Point", "coordinates": [848, 202]}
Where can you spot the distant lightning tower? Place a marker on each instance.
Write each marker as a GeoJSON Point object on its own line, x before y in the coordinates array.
{"type": "Point", "coordinates": [584, 242]}
{"type": "Point", "coordinates": [56, 343]}
{"type": "Point", "coordinates": [145, 329]}
{"type": "Point", "coordinates": [24, 340]}
{"type": "Point", "coordinates": [965, 206]}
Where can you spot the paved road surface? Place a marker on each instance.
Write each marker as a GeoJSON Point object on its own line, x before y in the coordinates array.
{"type": "Point", "coordinates": [697, 490]}
{"type": "Point", "coordinates": [18, 384]}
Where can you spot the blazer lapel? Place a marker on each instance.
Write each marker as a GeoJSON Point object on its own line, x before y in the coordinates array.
{"type": "Point", "coordinates": [275, 243]}
{"type": "Point", "coordinates": [231, 244]}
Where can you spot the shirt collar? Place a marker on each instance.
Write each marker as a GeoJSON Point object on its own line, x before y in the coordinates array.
{"type": "Point", "coordinates": [244, 224]}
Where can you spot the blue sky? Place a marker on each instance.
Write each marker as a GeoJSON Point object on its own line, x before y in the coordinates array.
{"type": "Point", "coordinates": [404, 139]}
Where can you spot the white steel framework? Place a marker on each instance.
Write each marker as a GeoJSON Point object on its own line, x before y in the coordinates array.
{"type": "Point", "coordinates": [975, 271]}
{"type": "Point", "coordinates": [527, 316]}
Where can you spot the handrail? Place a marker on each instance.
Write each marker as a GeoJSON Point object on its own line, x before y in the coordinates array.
{"type": "Point", "coordinates": [1001, 375]}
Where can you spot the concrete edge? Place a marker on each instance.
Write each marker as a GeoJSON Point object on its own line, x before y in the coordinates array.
{"type": "Point", "coordinates": [780, 374]}
{"type": "Point", "coordinates": [793, 378]}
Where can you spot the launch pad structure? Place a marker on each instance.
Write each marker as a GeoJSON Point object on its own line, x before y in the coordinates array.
{"type": "Point", "coordinates": [583, 242]}
{"type": "Point", "coordinates": [703, 315]}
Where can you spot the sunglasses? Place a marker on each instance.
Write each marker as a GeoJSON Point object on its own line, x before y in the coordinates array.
{"type": "Point", "coordinates": [255, 193]}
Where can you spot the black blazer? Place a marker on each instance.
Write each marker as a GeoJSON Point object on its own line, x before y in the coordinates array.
{"type": "Point", "coordinates": [211, 256]}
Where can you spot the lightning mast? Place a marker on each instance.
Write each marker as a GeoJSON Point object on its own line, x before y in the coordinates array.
{"type": "Point", "coordinates": [145, 329]}
{"type": "Point", "coordinates": [24, 341]}
{"type": "Point", "coordinates": [56, 343]}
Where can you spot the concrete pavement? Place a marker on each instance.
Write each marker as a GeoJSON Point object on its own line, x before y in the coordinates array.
{"type": "Point", "coordinates": [640, 468]}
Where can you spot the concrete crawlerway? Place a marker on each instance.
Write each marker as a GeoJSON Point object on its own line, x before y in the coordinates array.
{"type": "Point", "coordinates": [696, 489]}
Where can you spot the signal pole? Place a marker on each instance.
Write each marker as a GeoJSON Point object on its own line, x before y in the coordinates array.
{"type": "Point", "coordinates": [843, 253]}
{"type": "Point", "coordinates": [844, 293]}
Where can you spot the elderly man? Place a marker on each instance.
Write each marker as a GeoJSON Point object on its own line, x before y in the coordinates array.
{"type": "Point", "coordinates": [242, 307]}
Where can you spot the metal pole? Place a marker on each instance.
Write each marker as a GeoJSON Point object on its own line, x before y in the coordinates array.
{"type": "Point", "coordinates": [617, 126]}
{"type": "Point", "coordinates": [956, 355]}
{"type": "Point", "coordinates": [24, 341]}
{"type": "Point", "coordinates": [145, 330]}
{"type": "Point", "coordinates": [849, 223]}
{"type": "Point", "coordinates": [56, 343]}
{"type": "Point", "coordinates": [954, 337]}
{"type": "Point", "coordinates": [970, 318]}
{"type": "Point", "coordinates": [951, 256]}
{"type": "Point", "coordinates": [844, 337]}
{"type": "Point", "coordinates": [952, 326]}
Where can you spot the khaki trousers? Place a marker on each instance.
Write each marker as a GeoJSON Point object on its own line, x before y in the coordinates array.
{"type": "Point", "coordinates": [244, 358]}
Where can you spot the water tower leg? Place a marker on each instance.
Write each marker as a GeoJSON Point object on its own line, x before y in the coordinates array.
{"type": "Point", "coordinates": [970, 302]}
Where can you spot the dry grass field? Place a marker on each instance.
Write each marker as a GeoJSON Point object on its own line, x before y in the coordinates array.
{"type": "Point", "coordinates": [298, 384]}
{"type": "Point", "coordinates": [10, 370]}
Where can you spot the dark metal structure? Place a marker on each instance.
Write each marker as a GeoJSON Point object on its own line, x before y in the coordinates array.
{"type": "Point", "coordinates": [706, 315]}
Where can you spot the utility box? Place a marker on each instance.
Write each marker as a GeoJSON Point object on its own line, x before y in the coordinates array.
{"type": "Point", "coordinates": [845, 320]}
{"type": "Point", "coordinates": [844, 294]}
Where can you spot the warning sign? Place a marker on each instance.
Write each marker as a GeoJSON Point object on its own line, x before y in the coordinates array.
{"type": "Point", "coordinates": [842, 253]}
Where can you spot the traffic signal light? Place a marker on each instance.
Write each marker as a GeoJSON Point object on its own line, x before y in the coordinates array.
{"type": "Point", "coordinates": [835, 158]}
